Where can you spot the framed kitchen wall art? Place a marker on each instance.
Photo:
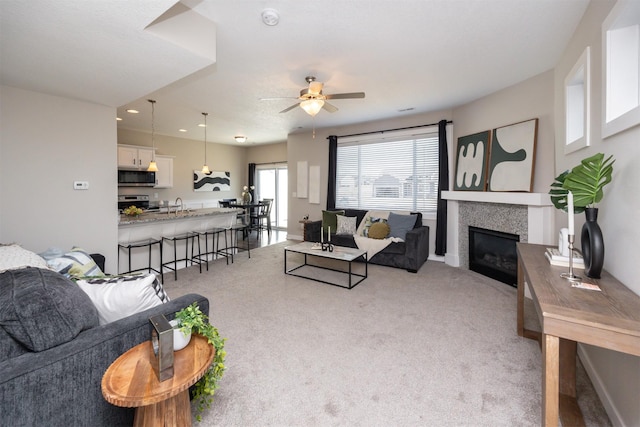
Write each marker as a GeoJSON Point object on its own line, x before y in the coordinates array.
{"type": "Point", "coordinates": [472, 155]}
{"type": "Point", "coordinates": [512, 159]}
{"type": "Point", "coordinates": [215, 181]}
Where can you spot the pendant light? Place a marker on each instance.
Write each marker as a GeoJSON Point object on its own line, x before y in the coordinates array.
{"type": "Point", "coordinates": [205, 168]}
{"type": "Point", "coordinates": [153, 167]}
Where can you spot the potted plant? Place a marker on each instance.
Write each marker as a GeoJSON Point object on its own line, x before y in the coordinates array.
{"type": "Point", "coordinates": [192, 320]}
{"type": "Point", "coordinates": [586, 182]}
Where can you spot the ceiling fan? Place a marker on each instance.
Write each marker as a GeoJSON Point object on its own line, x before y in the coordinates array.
{"type": "Point", "coordinates": [312, 99]}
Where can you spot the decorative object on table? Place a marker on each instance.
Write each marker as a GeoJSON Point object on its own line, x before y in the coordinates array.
{"type": "Point", "coordinates": [472, 155]}
{"type": "Point", "coordinates": [246, 194]}
{"type": "Point", "coordinates": [571, 236]}
{"type": "Point", "coordinates": [512, 157]}
{"type": "Point", "coordinates": [192, 319]}
{"type": "Point", "coordinates": [162, 346]}
{"type": "Point", "coordinates": [212, 181]}
{"type": "Point", "coordinates": [133, 211]}
{"type": "Point", "coordinates": [180, 338]}
{"type": "Point", "coordinates": [586, 182]}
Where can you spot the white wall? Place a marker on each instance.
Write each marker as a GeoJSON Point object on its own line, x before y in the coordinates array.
{"type": "Point", "coordinates": [47, 143]}
{"type": "Point", "coordinates": [615, 375]}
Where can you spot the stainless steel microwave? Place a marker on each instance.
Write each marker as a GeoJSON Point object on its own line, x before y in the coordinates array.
{"type": "Point", "coordinates": [133, 178]}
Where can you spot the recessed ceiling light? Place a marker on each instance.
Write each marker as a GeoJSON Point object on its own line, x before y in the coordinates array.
{"type": "Point", "coordinates": [270, 17]}
{"type": "Point", "coordinates": [240, 138]}
{"type": "Point", "coordinates": [119, 119]}
{"type": "Point", "coordinates": [132, 111]}
{"type": "Point", "coordinates": [202, 125]}
{"type": "Point", "coordinates": [182, 130]}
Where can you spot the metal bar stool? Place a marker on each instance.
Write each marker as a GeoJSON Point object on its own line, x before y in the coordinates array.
{"type": "Point", "coordinates": [214, 232]}
{"type": "Point", "coordinates": [235, 229]}
{"type": "Point", "coordinates": [173, 240]}
{"type": "Point", "coordinates": [148, 243]}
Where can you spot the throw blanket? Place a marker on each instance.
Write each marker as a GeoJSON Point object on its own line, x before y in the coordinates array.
{"type": "Point", "coordinates": [373, 246]}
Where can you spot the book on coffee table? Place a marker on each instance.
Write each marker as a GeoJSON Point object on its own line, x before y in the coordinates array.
{"type": "Point", "coordinates": [555, 258]}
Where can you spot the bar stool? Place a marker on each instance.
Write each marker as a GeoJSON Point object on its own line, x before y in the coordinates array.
{"type": "Point", "coordinates": [173, 240]}
{"type": "Point", "coordinates": [146, 243]}
{"type": "Point", "coordinates": [214, 232]}
{"type": "Point", "coordinates": [235, 229]}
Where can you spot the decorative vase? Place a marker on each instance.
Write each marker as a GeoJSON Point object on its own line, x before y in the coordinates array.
{"type": "Point", "coordinates": [180, 339]}
{"type": "Point", "coordinates": [246, 198]}
{"type": "Point", "coordinates": [592, 244]}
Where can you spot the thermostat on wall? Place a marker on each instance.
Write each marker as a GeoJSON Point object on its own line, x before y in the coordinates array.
{"type": "Point", "coordinates": [80, 185]}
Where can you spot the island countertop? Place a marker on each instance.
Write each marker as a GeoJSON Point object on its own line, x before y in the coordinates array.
{"type": "Point", "coordinates": [152, 217]}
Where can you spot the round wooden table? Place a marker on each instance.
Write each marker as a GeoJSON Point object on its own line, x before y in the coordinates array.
{"type": "Point", "coordinates": [131, 382]}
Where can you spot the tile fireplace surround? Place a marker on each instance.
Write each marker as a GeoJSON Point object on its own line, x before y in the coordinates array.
{"type": "Point", "coordinates": [529, 215]}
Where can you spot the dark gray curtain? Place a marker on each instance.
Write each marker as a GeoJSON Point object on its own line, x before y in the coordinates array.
{"type": "Point", "coordinates": [443, 185]}
{"type": "Point", "coordinates": [331, 185]}
{"type": "Point", "coordinates": [252, 179]}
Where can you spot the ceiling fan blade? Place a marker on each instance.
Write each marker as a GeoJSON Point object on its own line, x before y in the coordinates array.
{"type": "Point", "coordinates": [330, 108]}
{"type": "Point", "coordinates": [278, 98]}
{"type": "Point", "coordinates": [315, 88]}
{"type": "Point", "coordinates": [290, 108]}
{"type": "Point", "coordinates": [346, 95]}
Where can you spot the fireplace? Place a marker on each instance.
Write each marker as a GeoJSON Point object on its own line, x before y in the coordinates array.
{"type": "Point", "coordinates": [493, 254]}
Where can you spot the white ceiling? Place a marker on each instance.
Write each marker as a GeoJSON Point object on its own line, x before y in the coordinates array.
{"type": "Point", "coordinates": [217, 56]}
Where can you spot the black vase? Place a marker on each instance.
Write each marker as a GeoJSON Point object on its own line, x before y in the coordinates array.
{"type": "Point", "coordinates": [592, 244]}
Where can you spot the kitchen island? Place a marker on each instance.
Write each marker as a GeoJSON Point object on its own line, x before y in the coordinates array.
{"type": "Point", "coordinates": [155, 225]}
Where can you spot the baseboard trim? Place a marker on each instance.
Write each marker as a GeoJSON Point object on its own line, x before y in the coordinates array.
{"type": "Point", "coordinates": [600, 388]}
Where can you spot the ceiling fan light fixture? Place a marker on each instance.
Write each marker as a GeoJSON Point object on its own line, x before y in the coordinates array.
{"type": "Point", "coordinates": [312, 106]}
{"type": "Point", "coordinates": [240, 138]}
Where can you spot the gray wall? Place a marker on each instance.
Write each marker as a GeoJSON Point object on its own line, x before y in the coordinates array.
{"type": "Point", "coordinates": [614, 374]}
{"type": "Point", "coordinates": [47, 143]}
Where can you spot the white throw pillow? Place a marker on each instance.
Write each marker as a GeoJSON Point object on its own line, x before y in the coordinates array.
{"type": "Point", "coordinates": [346, 225]}
{"type": "Point", "coordinates": [14, 256]}
{"type": "Point", "coordinates": [119, 297]}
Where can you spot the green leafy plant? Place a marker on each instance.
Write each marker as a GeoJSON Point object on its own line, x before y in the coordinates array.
{"type": "Point", "coordinates": [586, 181]}
{"type": "Point", "coordinates": [192, 319]}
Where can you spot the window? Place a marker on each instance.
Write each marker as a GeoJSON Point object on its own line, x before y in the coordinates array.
{"type": "Point", "coordinates": [388, 172]}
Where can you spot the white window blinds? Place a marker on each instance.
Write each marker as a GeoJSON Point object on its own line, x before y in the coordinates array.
{"type": "Point", "coordinates": [398, 172]}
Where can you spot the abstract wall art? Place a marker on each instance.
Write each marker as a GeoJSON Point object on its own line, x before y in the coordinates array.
{"type": "Point", "coordinates": [472, 154]}
{"type": "Point", "coordinates": [215, 181]}
{"type": "Point", "coordinates": [512, 159]}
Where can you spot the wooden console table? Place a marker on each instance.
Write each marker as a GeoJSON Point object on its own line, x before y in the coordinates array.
{"type": "Point", "coordinates": [130, 381]}
{"type": "Point", "coordinates": [608, 319]}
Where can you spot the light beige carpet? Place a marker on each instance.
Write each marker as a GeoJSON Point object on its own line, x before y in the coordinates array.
{"type": "Point", "coordinates": [436, 348]}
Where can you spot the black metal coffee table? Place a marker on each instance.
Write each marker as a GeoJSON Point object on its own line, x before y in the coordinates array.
{"type": "Point", "coordinates": [339, 253]}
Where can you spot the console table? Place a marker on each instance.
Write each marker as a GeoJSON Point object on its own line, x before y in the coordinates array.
{"type": "Point", "coordinates": [609, 318]}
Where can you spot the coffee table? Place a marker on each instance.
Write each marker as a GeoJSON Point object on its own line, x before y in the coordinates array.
{"type": "Point", "coordinates": [340, 253]}
{"type": "Point", "coordinates": [131, 382]}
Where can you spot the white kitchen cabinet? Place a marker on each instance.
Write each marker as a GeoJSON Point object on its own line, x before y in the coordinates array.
{"type": "Point", "coordinates": [130, 156]}
{"type": "Point", "coordinates": [164, 176]}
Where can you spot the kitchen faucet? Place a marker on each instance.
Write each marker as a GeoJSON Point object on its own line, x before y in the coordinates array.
{"type": "Point", "coordinates": [181, 205]}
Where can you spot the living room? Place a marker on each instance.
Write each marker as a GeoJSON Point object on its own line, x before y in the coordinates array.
{"type": "Point", "coordinates": [76, 140]}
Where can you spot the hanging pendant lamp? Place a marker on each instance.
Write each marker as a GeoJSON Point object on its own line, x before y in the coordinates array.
{"type": "Point", "coordinates": [205, 168]}
{"type": "Point", "coordinates": [153, 167]}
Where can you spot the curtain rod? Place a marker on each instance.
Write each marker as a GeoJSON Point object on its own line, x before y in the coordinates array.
{"type": "Point", "coordinates": [392, 130]}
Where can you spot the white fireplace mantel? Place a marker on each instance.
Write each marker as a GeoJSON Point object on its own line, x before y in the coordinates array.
{"type": "Point", "coordinates": [540, 216]}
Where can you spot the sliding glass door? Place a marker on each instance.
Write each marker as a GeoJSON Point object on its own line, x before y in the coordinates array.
{"type": "Point", "coordinates": [271, 183]}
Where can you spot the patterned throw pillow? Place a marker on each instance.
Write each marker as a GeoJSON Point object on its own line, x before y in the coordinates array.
{"type": "Point", "coordinates": [346, 225]}
{"type": "Point", "coordinates": [379, 230]}
{"type": "Point", "coordinates": [76, 263]}
{"type": "Point", "coordinates": [121, 296]}
{"type": "Point", "coordinates": [369, 221]}
{"type": "Point", "coordinates": [13, 257]}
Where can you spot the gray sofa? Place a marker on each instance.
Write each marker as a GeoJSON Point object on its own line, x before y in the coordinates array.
{"type": "Point", "coordinates": [410, 254]}
{"type": "Point", "coordinates": [61, 385]}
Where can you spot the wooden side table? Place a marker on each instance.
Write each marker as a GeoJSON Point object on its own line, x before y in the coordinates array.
{"type": "Point", "coordinates": [304, 223]}
{"type": "Point", "coordinates": [131, 382]}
